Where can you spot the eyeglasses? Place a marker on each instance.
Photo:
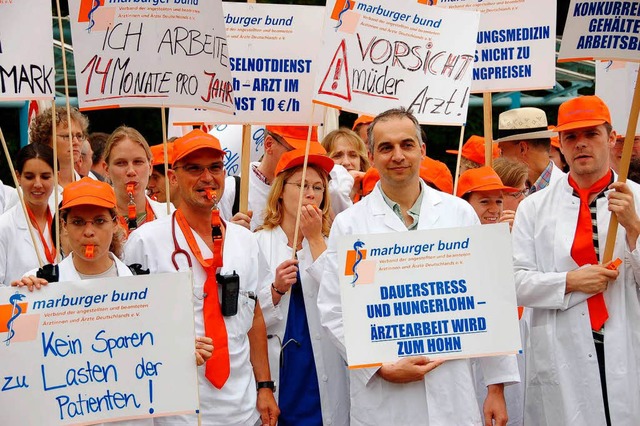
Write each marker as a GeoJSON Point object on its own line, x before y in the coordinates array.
{"type": "Point", "coordinates": [196, 170]}
{"type": "Point", "coordinates": [518, 194]}
{"type": "Point", "coordinates": [98, 222]}
{"type": "Point", "coordinates": [318, 189]}
{"type": "Point", "coordinates": [80, 137]}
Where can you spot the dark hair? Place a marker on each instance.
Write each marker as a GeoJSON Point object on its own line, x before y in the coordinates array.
{"type": "Point", "coordinates": [398, 114]}
{"type": "Point", "coordinates": [31, 151]}
{"type": "Point", "coordinates": [98, 142]}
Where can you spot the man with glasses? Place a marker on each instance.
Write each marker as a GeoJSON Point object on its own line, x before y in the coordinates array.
{"type": "Point", "coordinates": [222, 256]}
{"type": "Point", "coordinates": [69, 139]}
{"type": "Point", "coordinates": [524, 137]}
{"type": "Point", "coordinates": [277, 141]}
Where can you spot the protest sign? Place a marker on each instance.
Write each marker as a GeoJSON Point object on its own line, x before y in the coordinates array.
{"type": "Point", "coordinates": [26, 73]}
{"type": "Point", "coordinates": [516, 44]}
{"type": "Point", "coordinates": [95, 350]}
{"type": "Point", "coordinates": [151, 54]}
{"type": "Point", "coordinates": [378, 55]}
{"type": "Point", "coordinates": [230, 137]}
{"type": "Point", "coordinates": [272, 52]}
{"type": "Point", "coordinates": [615, 81]}
{"type": "Point", "coordinates": [444, 293]}
{"type": "Point", "coordinates": [597, 29]}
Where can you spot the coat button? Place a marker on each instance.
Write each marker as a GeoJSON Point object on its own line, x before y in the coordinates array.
{"type": "Point", "coordinates": [324, 378]}
{"type": "Point", "coordinates": [590, 355]}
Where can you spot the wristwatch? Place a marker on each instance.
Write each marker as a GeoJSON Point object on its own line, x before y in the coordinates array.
{"type": "Point", "coordinates": [269, 385]}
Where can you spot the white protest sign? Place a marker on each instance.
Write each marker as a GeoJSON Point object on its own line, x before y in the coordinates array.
{"type": "Point", "coordinates": [516, 44]}
{"type": "Point", "coordinates": [597, 29]}
{"type": "Point", "coordinates": [615, 81]}
{"type": "Point", "coordinates": [444, 293]}
{"type": "Point", "coordinates": [96, 350]}
{"type": "Point", "coordinates": [230, 137]}
{"type": "Point", "coordinates": [26, 50]}
{"type": "Point", "coordinates": [272, 52]}
{"type": "Point", "coordinates": [157, 53]}
{"type": "Point", "coordinates": [378, 55]}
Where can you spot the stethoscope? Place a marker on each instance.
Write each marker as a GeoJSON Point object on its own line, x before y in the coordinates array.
{"type": "Point", "coordinates": [177, 250]}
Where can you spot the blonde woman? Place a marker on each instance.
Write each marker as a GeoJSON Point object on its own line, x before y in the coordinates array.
{"type": "Point", "coordinates": [347, 149]}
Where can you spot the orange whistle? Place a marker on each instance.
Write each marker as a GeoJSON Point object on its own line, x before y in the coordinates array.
{"type": "Point", "coordinates": [88, 251]}
{"type": "Point", "coordinates": [210, 193]}
{"type": "Point", "coordinates": [131, 211]}
{"type": "Point", "coordinates": [130, 187]}
{"type": "Point", "coordinates": [614, 265]}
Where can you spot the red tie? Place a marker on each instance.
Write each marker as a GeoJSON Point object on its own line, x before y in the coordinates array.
{"type": "Point", "coordinates": [583, 251]}
{"type": "Point", "coordinates": [217, 367]}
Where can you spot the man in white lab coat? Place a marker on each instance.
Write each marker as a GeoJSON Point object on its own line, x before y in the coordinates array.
{"type": "Point", "coordinates": [413, 390]}
{"type": "Point", "coordinates": [583, 350]}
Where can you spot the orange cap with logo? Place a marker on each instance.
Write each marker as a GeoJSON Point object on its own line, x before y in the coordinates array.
{"type": "Point", "coordinates": [194, 141]}
{"type": "Point", "coordinates": [157, 151]}
{"type": "Point", "coordinates": [296, 136]}
{"type": "Point", "coordinates": [481, 179]}
{"type": "Point", "coordinates": [583, 111]}
{"type": "Point", "coordinates": [317, 157]}
{"type": "Point", "coordinates": [87, 191]}
{"type": "Point", "coordinates": [473, 149]}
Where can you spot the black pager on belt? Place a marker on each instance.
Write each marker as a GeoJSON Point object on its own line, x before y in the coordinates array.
{"type": "Point", "coordinates": [230, 291]}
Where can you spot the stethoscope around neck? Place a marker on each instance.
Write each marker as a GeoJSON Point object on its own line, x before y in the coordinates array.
{"type": "Point", "coordinates": [177, 250]}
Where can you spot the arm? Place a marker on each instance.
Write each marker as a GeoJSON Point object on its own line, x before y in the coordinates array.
{"type": "Point", "coordinates": [495, 407]}
{"type": "Point", "coordinates": [311, 228]}
{"type": "Point", "coordinates": [266, 404]}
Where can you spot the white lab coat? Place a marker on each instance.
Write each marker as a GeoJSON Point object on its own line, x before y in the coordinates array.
{"type": "Point", "coordinates": [17, 254]}
{"type": "Point", "coordinates": [446, 395]}
{"type": "Point", "coordinates": [562, 376]}
{"type": "Point", "coordinates": [330, 367]}
{"type": "Point", "coordinates": [152, 245]}
{"type": "Point", "coordinates": [340, 184]}
{"type": "Point", "coordinates": [159, 209]}
{"type": "Point", "coordinates": [8, 197]}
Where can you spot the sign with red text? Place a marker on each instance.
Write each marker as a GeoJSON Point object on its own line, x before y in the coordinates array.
{"type": "Point", "coordinates": [98, 350]}
{"type": "Point", "coordinates": [26, 73]}
{"type": "Point", "coordinates": [151, 54]}
{"type": "Point", "coordinates": [615, 81]}
{"type": "Point", "coordinates": [516, 44]}
{"type": "Point", "coordinates": [601, 30]}
{"type": "Point", "coordinates": [442, 293]}
{"type": "Point", "coordinates": [381, 54]}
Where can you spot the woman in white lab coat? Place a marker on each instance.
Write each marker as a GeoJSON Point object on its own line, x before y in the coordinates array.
{"type": "Point", "coordinates": [312, 387]}
{"type": "Point", "coordinates": [34, 169]}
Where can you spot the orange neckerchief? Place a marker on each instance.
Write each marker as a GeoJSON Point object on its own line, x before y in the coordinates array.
{"type": "Point", "coordinates": [50, 253]}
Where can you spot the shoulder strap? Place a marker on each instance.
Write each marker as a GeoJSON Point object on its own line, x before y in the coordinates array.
{"type": "Point", "coordinates": [236, 200]}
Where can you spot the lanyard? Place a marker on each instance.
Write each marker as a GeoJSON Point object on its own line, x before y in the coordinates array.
{"type": "Point", "coordinates": [50, 253]}
{"type": "Point", "coordinates": [150, 215]}
{"type": "Point", "coordinates": [218, 242]}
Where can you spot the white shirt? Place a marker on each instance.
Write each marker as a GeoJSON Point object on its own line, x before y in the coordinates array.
{"type": "Point", "coordinates": [8, 197]}
{"type": "Point", "coordinates": [152, 245]}
{"type": "Point", "coordinates": [563, 380]}
{"type": "Point", "coordinates": [330, 367]}
{"type": "Point", "coordinates": [446, 395]}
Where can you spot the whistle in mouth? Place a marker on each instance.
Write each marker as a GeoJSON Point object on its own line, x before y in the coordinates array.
{"type": "Point", "coordinates": [88, 251]}
{"type": "Point", "coordinates": [130, 187]}
{"type": "Point", "coordinates": [210, 193]}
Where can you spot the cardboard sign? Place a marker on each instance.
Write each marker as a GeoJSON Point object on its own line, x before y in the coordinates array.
{"type": "Point", "coordinates": [598, 29]}
{"type": "Point", "coordinates": [26, 73]}
{"type": "Point", "coordinates": [615, 81]}
{"type": "Point", "coordinates": [230, 137]}
{"type": "Point", "coordinates": [157, 53]}
{"type": "Point", "coordinates": [378, 55]}
{"type": "Point", "coordinates": [516, 44]}
{"type": "Point", "coordinates": [445, 293]}
{"type": "Point", "coordinates": [96, 350]}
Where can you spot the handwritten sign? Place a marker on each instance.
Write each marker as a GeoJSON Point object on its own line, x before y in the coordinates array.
{"type": "Point", "coordinates": [26, 73]}
{"type": "Point", "coordinates": [615, 81]}
{"type": "Point", "coordinates": [151, 54]}
{"type": "Point", "coordinates": [601, 30]}
{"type": "Point", "coordinates": [516, 44]}
{"type": "Point", "coordinates": [446, 293]}
{"type": "Point", "coordinates": [95, 350]}
{"type": "Point", "coordinates": [230, 137]}
{"type": "Point", "coordinates": [378, 55]}
{"type": "Point", "coordinates": [273, 49]}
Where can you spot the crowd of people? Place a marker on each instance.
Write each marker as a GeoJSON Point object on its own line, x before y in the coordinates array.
{"type": "Point", "coordinates": [270, 343]}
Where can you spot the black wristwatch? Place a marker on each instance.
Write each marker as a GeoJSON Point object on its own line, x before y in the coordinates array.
{"type": "Point", "coordinates": [269, 385]}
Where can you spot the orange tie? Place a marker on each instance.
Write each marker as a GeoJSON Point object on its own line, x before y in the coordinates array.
{"type": "Point", "coordinates": [583, 251]}
{"type": "Point", "coordinates": [217, 368]}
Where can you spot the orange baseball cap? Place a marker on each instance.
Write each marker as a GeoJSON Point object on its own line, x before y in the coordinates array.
{"type": "Point", "coordinates": [473, 149]}
{"type": "Point", "coordinates": [317, 157]}
{"type": "Point", "coordinates": [437, 173]}
{"type": "Point", "coordinates": [363, 119]}
{"type": "Point", "coordinates": [296, 136]}
{"type": "Point", "coordinates": [194, 141]}
{"type": "Point", "coordinates": [369, 180]}
{"type": "Point", "coordinates": [157, 151]}
{"type": "Point", "coordinates": [555, 140]}
{"type": "Point", "coordinates": [87, 191]}
{"type": "Point", "coordinates": [481, 179]}
{"type": "Point", "coordinates": [583, 111]}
